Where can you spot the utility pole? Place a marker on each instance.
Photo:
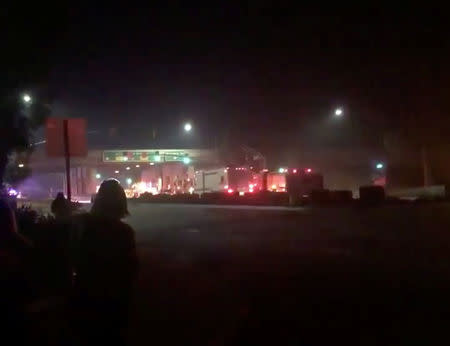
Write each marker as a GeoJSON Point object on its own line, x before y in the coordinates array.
{"type": "Point", "coordinates": [67, 157]}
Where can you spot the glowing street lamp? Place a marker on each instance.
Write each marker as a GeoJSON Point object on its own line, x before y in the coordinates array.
{"type": "Point", "coordinates": [338, 112]}
{"type": "Point", "coordinates": [26, 98]}
{"type": "Point", "coordinates": [187, 127]}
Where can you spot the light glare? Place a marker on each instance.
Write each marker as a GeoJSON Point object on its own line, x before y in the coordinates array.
{"type": "Point", "coordinates": [338, 112]}
{"type": "Point", "coordinates": [26, 98]}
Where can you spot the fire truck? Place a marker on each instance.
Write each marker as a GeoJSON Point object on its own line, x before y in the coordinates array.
{"type": "Point", "coordinates": [226, 179]}
{"type": "Point", "coordinates": [301, 181]}
{"type": "Point", "coordinates": [243, 180]}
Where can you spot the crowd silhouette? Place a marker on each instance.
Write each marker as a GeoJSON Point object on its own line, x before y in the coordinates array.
{"type": "Point", "coordinates": [77, 270]}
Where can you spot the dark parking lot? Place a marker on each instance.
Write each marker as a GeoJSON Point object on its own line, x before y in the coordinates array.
{"type": "Point", "coordinates": [249, 275]}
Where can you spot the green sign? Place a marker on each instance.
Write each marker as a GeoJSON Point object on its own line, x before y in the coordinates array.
{"type": "Point", "coordinates": [122, 156]}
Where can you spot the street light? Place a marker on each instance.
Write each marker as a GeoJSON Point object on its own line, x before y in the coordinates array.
{"type": "Point", "coordinates": [338, 112]}
{"type": "Point", "coordinates": [187, 127]}
{"type": "Point", "coordinates": [26, 98]}
{"type": "Point", "coordinates": [379, 165]}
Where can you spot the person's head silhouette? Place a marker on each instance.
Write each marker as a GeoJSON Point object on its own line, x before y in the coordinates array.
{"type": "Point", "coordinates": [111, 200]}
{"type": "Point", "coordinates": [60, 195]}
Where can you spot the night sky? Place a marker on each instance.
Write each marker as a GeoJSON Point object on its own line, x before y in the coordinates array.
{"type": "Point", "coordinates": [260, 74]}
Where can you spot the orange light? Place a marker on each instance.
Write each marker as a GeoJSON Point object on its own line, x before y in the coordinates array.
{"type": "Point", "coordinates": [274, 187]}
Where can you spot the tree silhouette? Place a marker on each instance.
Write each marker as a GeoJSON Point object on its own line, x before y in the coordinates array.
{"type": "Point", "coordinates": [18, 121]}
{"type": "Point", "coordinates": [31, 45]}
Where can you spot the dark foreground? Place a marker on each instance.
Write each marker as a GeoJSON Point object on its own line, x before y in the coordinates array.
{"type": "Point", "coordinates": [237, 276]}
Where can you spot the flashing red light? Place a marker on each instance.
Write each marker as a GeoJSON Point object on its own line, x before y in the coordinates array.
{"type": "Point", "coordinates": [230, 190]}
{"type": "Point", "coordinates": [309, 170]}
{"type": "Point", "coordinates": [294, 170]}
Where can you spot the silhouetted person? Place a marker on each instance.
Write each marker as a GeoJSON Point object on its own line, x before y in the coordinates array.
{"type": "Point", "coordinates": [15, 290]}
{"type": "Point", "coordinates": [60, 206]}
{"type": "Point", "coordinates": [105, 266]}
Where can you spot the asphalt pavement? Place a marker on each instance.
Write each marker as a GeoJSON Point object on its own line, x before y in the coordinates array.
{"type": "Point", "coordinates": [224, 275]}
